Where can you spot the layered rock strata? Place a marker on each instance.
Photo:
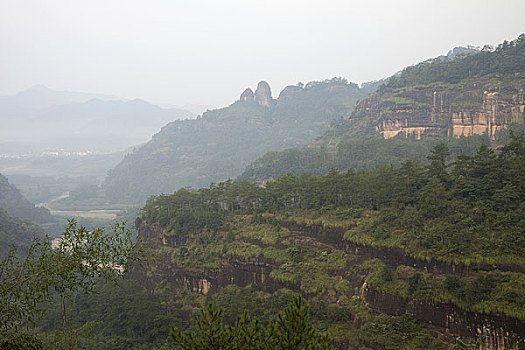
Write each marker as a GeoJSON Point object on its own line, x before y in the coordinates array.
{"type": "Point", "coordinates": [475, 107]}
{"type": "Point", "coordinates": [444, 318]}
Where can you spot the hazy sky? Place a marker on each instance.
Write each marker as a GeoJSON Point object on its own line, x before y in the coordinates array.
{"type": "Point", "coordinates": [207, 52]}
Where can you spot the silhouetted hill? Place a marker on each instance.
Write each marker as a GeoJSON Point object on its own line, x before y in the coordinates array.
{"type": "Point", "coordinates": [48, 120]}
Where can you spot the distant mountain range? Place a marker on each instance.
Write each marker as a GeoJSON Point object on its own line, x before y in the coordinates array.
{"type": "Point", "coordinates": [41, 119]}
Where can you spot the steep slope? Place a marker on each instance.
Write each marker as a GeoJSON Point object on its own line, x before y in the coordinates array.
{"type": "Point", "coordinates": [465, 93]}
{"type": "Point", "coordinates": [441, 243]}
{"type": "Point", "coordinates": [471, 95]}
{"type": "Point", "coordinates": [15, 232]}
{"type": "Point", "coordinates": [222, 142]}
{"type": "Point", "coordinates": [16, 216]}
{"type": "Point", "coordinates": [12, 201]}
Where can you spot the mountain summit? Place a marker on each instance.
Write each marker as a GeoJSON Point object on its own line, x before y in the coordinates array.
{"type": "Point", "coordinates": [222, 142]}
{"type": "Point", "coordinates": [263, 94]}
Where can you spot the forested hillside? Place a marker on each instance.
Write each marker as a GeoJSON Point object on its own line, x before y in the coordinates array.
{"type": "Point", "coordinates": [12, 201]}
{"type": "Point", "coordinates": [424, 244]}
{"type": "Point", "coordinates": [15, 232]}
{"type": "Point", "coordinates": [365, 152]}
{"type": "Point", "coordinates": [505, 59]}
{"type": "Point", "coordinates": [18, 217]}
{"type": "Point", "coordinates": [450, 98]}
{"type": "Point", "coordinates": [222, 142]}
{"type": "Point", "coordinates": [477, 94]}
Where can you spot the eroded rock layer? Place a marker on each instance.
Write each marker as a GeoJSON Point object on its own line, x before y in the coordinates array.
{"type": "Point", "coordinates": [443, 318]}
{"type": "Point", "coordinates": [488, 105]}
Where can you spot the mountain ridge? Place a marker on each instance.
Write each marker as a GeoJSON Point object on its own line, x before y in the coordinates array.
{"type": "Point", "coordinates": [466, 93]}
{"type": "Point", "coordinates": [52, 118]}
{"type": "Point", "coordinates": [221, 142]}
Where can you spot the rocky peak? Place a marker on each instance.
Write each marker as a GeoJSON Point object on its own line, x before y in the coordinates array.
{"type": "Point", "coordinates": [247, 95]}
{"type": "Point", "coordinates": [462, 51]}
{"type": "Point", "coordinates": [289, 91]}
{"type": "Point", "coordinates": [263, 94]}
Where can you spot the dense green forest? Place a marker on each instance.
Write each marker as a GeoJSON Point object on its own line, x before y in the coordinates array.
{"type": "Point", "coordinates": [434, 223]}
{"type": "Point", "coordinates": [506, 58]}
{"type": "Point", "coordinates": [467, 211]}
{"type": "Point", "coordinates": [222, 142]}
{"type": "Point", "coordinates": [365, 152]}
{"type": "Point", "coordinates": [48, 273]}
{"type": "Point", "coordinates": [437, 96]}
{"type": "Point", "coordinates": [454, 211]}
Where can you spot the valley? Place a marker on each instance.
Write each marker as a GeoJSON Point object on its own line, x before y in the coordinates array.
{"type": "Point", "coordinates": [394, 209]}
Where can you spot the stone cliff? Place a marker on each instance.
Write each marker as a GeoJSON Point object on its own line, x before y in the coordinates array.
{"type": "Point", "coordinates": [262, 95]}
{"type": "Point", "coordinates": [443, 318]}
{"type": "Point", "coordinates": [477, 106]}
{"type": "Point", "coordinates": [247, 95]}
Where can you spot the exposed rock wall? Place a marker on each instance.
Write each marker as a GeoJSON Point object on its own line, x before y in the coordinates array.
{"type": "Point", "coordinates": [497, 332]}
{"type": "Point", "coordinates": [263, 95]}
{"type": "Point", "coordinates": [392, 256]}
{"type": "Point", "coordinates": [445, 319]}
{"type": "Point", "coordinates": [485, 105]}
{"type": "Point", "coordinates": [247, 95]}
{"type": "Point", "coordinates": [237, 271]}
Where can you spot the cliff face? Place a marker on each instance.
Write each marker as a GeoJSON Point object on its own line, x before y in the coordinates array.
{"type": "Point", "coordinates": [235, 270]}
{"type": "Point", "coordinates": [443, 318]}
{"type": "Point", "coordinates": [262, 95]}
{"type": "Point", "coordinates": [488, 104]}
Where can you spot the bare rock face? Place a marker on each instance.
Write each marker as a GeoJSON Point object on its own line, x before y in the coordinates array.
{"type": "Point", "coordinates": [247, 95]}
{"type": "Point", "coordinates": [474, 107]}
{"type": "Point", "coordinates": [263, 94]}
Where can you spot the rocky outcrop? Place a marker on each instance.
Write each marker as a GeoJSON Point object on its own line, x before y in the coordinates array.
{"type": "Point", "coordinates": [497, 332]}
{"type": "Point", "coordinates": [263, 94]}
{"type": "Point", "coordinates": [392, 256]}
{"type": "Point", "coordinates": [289, 92]}
{"type": "Point", "coordinates": [445, 319]}
{"type": "Point", "coordinates": [247, 95]}
{"type": "Point", "coordinates": [485, 105]}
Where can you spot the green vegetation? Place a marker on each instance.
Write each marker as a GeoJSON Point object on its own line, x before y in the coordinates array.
{"type": "Point", "coordinates": [467, 211]}
{"type": "Point", "coordinates": [16, 205]}
{"type": "Point", "coordinates": [336, 320]}
{"type": "Point", "coordinates": [15, 232]}
{"type": "Point", "coordinates": [289, 330]}
{"type": "Point", "coordinates": [366, 152]}
{"type": "Point", "coordinates": [489, 292]}
{"type": "Point", "coordinates": [458, 203]}
{"type": "Point", "coordinates": [507, 58]}
{"type": "Point", "coordinates": [222, 142]}
{"type": "Point", "coordinates": [55, 271]}
{"type": "Point", "coordinates": [123, 316]}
